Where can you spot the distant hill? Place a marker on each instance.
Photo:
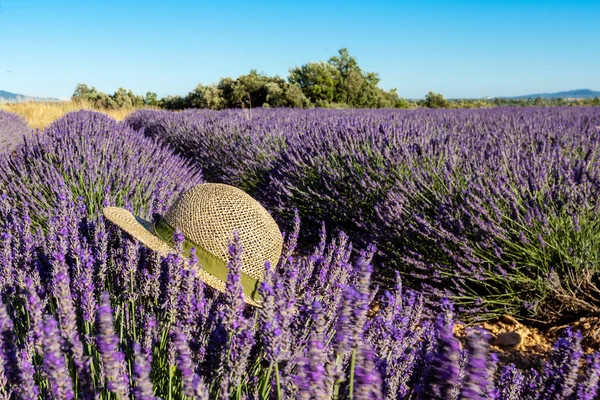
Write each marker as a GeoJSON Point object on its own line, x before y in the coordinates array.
{"type": "Point", "coordinates": [570, 94]}
{"type": "Point", "coordinates": [17, 98]}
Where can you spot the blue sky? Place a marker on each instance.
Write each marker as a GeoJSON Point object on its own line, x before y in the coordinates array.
{"type": "Point", "coordinates": [457, 48]}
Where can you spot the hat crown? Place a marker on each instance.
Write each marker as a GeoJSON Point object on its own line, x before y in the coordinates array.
{"type": "Point", "coordinates": [209, 213]}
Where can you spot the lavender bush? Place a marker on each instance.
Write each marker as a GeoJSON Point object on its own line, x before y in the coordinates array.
{"type": "Point", "coordinates": [88, 313]}
{"type": "Point", "coordinates": [495, 209]}
{"type": "Point", "coordinates": [13, 129]}
{"type": "Point", "coordinates": [90, 156]}
{"type": "Point", "coordinates": [228, 146]}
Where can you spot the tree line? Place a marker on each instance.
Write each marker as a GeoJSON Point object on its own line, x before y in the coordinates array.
{"type": "Point", "coordinates": [336, 83]}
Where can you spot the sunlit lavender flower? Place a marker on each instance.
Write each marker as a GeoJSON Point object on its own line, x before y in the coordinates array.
{"type": "Point", "coordinates": [34, 308]}
{"type": "Point", "coordinates": [149, 334]}
{"type": "Point", "coordinates": [367, 384]}
{"type": "Point", "coordinates": [68, 324]}
{"type": "Point", "coordinates": [292, 240]}
{"type": "Point", "coordinates": [108, 344]}
{"type": "Point", "coordinates": [13, 130]}
{"type": "Point", "coordinates": [587, 389]}
{"type": "Point", "coordinates": [143, 386]}
{"type": "Point", "coordinates": [185, 363]}
{"type": "Point", "coordinates": [9, 373]}
{"type": "Point", "coordinates": [231, 312]}
{"type": "Point", "coordinates": [442, 370]}
{"type": "Point", "coordinates": [311, 376]}
{"type": "Point", "coordinates": [28, 389]}
{"type": "Point", "coordinates": [562, 367]}
{"type": "Point", "coordinates": [171, 282]}
{"type": "Point", "coordinates": [510, 383]}
{"type": "Point", "coordinates": [55, 365]}
{"type": "Point", "coordinates": [476, 374]}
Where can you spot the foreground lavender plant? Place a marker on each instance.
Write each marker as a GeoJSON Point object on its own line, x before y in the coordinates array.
{"type": "Point", "coordinates": [112, 358]}
{"type": "Point", "coordinates": [323, 355]}
{"type": "Point", "coordinates": [59, 379]}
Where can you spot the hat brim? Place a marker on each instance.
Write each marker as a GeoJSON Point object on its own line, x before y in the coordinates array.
{"type": "Point", "coordinates": [143, 231]}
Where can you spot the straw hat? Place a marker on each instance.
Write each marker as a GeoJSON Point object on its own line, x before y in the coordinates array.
{"type": "Point", "coordinates": [207, 215]}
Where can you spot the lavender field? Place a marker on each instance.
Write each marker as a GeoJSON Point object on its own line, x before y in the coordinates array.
{"type": "Point", "coordinates": [434, 216]}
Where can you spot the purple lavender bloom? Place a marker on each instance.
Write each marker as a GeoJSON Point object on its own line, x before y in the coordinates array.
{"type": "Point", "coordinates": [113, 359]}
{"type": "Point", "coordinates": [311, 376]}
{"type": "Point", "coordinates": [143, 386]}
{"type": "Point", "coordinates": [475, 385]}
{"type": "Point", "coordinates": [61, 385]}
{"type": "Point", "coordinates": [441, 376]}
{"type": "Point", "coordinates": [185, 363]}
{"type": "Point", "coordinates": [187, 302]}
{"type": "Point", "coordinates": [171, 282]}
{"type": "Point", "coordinates": [233, 294]}
{"type": "Point", "coordinates": [9, 373]}
{"type": "Point", "coordinates": [360, 299]}
{"type": "Point", "coordinates": [345, 331]}
{"type": "Point", "coordinates": [68, 324]}
{"type": "Point", "coordinates": [292, 240]}
{"type": "Point", "coordinates": [271, 332]}
{"type": "Point", "coordinates": [587, 389]}
{"type": "Point", "coordinates": [149, 336]}
{"type": "Point", "coordinates": [368, 383]}
{"type": "Point", "coordinates": [28, 390]}
{"type": "Point", "coordinates": [87, 288]}
{"type": "Point", "coordinates": [201, 389]}
{"type": "Point", "coordinates": [510, 383]}
{"type": "Point", "coordinates": [561, 370]}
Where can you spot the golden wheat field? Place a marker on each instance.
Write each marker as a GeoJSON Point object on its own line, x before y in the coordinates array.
{"type": "Point", "coordinates": [40, 114]}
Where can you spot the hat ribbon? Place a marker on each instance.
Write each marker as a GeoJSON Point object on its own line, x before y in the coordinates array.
{"type": "Point", "coordinates": [208, 261]}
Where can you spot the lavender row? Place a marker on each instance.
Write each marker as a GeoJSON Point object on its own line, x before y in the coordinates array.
{"type": "Point", "coordinates": [87, 313]}
{"type": "Point", "coordinates": [496, 209]}
{"type": "Point", "coordinates": [88, 154]}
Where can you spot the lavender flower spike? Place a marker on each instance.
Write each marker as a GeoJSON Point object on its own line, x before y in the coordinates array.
{"type": "Point", "coordinates": [143, 386]}
{"type": "Point", "coordinates": [55, 365]}
{"type": "Point", "coordinates": [112, 358]}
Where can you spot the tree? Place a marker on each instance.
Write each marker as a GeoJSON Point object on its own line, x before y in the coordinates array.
{"type": "Point", "coordinates": [402, 103]}
{"type": "Point", "coordinates": [173, 103]}
{"type": "Point", "coordinates": [349, 76]}
{"type": "Point", "coordinates": [120, 99]}
{"type": "Point", "coordinates": [151, 99]}
{"type": "Point", "coordinates": [295, 97]}
{"type": "Point", "coordinates": [123, 98]}
{"type": "Point", "coordinates": [207, 97]}
{"type": "Point", "coordinates": [340, 82]}
{"type": "Point", "coordinates": [83, 92]}
{"type": "Point", "coordinates": [249, 91]}
{"type": "Point", "coordinates": [435, 100]}
{"type": "Point", "coordinates": [316, 80]}
{"type": "Point", "coordinates": [256, 90]}
{"type": "Point", "coordinates": [225, 85]}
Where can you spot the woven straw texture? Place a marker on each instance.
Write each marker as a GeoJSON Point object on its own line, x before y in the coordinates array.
{"type": "Point", "coordinates": [208, 214]}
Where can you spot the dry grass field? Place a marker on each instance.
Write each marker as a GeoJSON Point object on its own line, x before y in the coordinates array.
{"type": "Point", "coordinates": [39, 115]}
